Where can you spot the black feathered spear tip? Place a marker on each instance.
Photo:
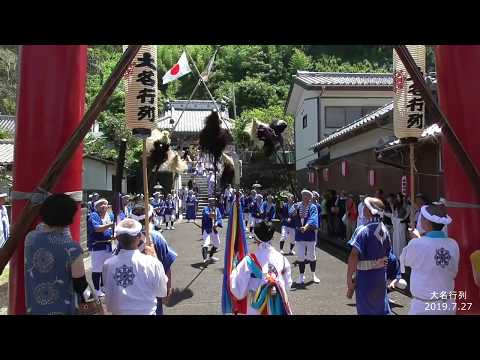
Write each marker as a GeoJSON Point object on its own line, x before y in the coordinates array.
{"type": "Point", "coordinates": [271, 135]}
{"type": "Point", "coordinates": [213, 139]}
{"type": "Point", "coordinates": [159, 153]}
{"type": "Point", "coordinates": [278, 126]}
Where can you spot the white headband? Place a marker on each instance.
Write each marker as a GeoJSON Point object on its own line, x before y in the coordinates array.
{"type": "Point", "coordinates": [259, 196]}
{"type": "Point", "coordinates": [100, 201]}
{"type": "Point", "coordinates": [307, 192]}
{"type": "Point", "coordinates": [370, 206]}
{"type": "Point", "coordinates": [434, 218]}
{"type": "Point", "coordinates": [133, 231]}
{"type": "Point", "coordinates": [315, 194]}
{"type": "Point", "coordinates": [142, 217]}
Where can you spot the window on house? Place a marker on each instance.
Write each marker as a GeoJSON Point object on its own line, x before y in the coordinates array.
{"type": "Point", "coordinates": [305, 121]}
{"type": "Point", "coordinates": [340, 116]}
{"type": "Point", "coordinates": [352, 114]}
{"type": "Point", "coordinates": [334, 117]}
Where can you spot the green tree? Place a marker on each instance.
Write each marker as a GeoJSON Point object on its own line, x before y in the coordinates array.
{"type": "Point", "coordinates": [8, 79]}
{"type": "Point", "coordinates": [299, 61]}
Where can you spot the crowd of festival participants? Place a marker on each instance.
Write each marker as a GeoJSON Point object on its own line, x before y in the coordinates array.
{"type": "Point", "coordinates": [377, 229]}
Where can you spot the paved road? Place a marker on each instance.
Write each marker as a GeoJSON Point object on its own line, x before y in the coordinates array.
{"type": "Point", "coordinates": [198, 289]}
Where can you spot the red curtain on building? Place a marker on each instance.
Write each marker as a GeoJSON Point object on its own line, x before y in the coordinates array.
{"type": "Point", "coordinates": [50, 105]}
{"type": "Point", "coordinates": [459, 88]}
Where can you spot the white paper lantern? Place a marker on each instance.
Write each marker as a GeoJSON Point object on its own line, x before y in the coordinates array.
{"type": "Point", "coordinates": [344, 168]}
{"type": "Point", "coordinates": [141, 90]}
{"type": "Point", "coordinates": [409, 106]}
{"type": "Point", "coordinates": [371, 177]}
{"type": "Point", "coordinates": [325, 174]}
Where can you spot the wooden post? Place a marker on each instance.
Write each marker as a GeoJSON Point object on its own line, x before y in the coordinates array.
{"type": "Point", "coordinates": [412, 184]}
{"type": "Point", "coordinates": [145, 192]}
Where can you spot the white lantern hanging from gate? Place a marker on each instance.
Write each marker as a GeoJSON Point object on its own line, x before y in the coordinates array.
{"type": "Point", "coordinates": [371, 177]}
{"type": "Point", "coordinates": [325, 174]}
{"type": "Point", "coordinates": [141, 91]}
{"type": "Point", "coordinates": [409, 106]}
{"type": "Point", "coordinates": [404, 185]}
{"type": "Point", "coordinates": [344, 168]}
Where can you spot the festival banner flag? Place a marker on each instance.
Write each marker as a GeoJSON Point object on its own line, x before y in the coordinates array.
{"type": "Point", "coordinates": [235, 251]}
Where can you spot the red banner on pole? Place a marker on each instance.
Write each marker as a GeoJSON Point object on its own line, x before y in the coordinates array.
{"type": "Point", "coordinates": [50, 105]}
{"type": "Point", "coordinates": [459, 86]}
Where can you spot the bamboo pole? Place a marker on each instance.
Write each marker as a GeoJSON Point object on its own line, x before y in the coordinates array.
{"type": "Point", "coordinates": [145, 193]}
{"type": "Point", "coordinates": [30, 212]}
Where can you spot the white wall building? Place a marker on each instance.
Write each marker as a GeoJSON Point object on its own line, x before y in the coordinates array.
{"type": "Point", "coordinates": [98, 174]}
{"type": "Point", "coordinates": [322, 103]}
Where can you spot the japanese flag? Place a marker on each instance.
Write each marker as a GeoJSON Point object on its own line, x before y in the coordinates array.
{"type": "Point", "coordinates": [178, 70]}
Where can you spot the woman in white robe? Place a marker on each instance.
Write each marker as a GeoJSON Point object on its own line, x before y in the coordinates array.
{"type": "Point", "coordinates": [399, 217]}
{"type": "Point", "coordinates": [244, 282]}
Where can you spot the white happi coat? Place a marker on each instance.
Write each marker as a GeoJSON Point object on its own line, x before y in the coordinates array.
{"type": "Point", "coordinates": [242, 284]}
{"type": "Point", "coordinates": [133, 281]}
{"type": "Point", "coordinates": [434, 263]}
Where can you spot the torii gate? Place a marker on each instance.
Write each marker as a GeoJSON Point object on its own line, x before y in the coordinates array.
{"type": "Point", "coordinates": [51, 103]}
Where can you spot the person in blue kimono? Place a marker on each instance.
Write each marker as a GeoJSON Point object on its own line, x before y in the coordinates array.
{"type": "Point", "coordinates": [368, 261]}
{"type": "Point", "coordinates": [165, 254]}
{"type": "Point", "coordinates": [316, 202]}
{"type": "Point", "coordinates": [228, 197]}
{"type": "Point", "coordinates": [268, 209]}
{"type": "Point", "coordinates": [245, 201]}
{"type": "Point", "coordinates": [211, 222]}
{"type": "Point", "coordinates": [256, 211]}
{"type": "Point", "coordinates": [124, 211]}
{"type": "Point", "coordinates": [170, 212]}
{"type": "Point", "coordinates": [158, 205]}
{"type": "Point", "coordinates": [191, 206]}
{"type": "Point", "coordinates": [91, 204]}
{"type": "Point", "coordinates": [99, 237]}
{"type": "Point", "coordinates": [305, 217]}
{"type": "Point", "coordinates": [288, 226]}
{"type": "Point", "coordinates": [248, 207]}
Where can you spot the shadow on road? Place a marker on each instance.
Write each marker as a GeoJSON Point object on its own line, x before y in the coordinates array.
{"type": "Point", "coordinates": [303, 286]}
{"type": "Point", "coordinates": [178, 296]}
{"type": "Point", "coordinates": [200, 265]}
{"type": "Point", "coordinates": [334, 251]}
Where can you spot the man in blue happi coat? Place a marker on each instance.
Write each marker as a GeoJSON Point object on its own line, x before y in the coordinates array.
{"type": "Point", "coordinates": [256, 211]}
{"type": "Point", "coordinates": [288, 226]}
{"type": "Point", "coordinates": [211, 222]}
{"type": "Point", "coordinates": [368, 260]}
{"type": "Point", "coordinates": [305, 217]}
{"type": "Point", "coordinates": [268, 209]}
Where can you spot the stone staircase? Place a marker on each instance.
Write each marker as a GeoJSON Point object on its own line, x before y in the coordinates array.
{"type": "Point", "coordinates": [202, 196]}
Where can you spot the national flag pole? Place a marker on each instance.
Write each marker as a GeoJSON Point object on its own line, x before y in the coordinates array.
{"type": "Point", "coordinates": [207, 70]}
{"type": "Point", "coordinates": [200, 78]}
